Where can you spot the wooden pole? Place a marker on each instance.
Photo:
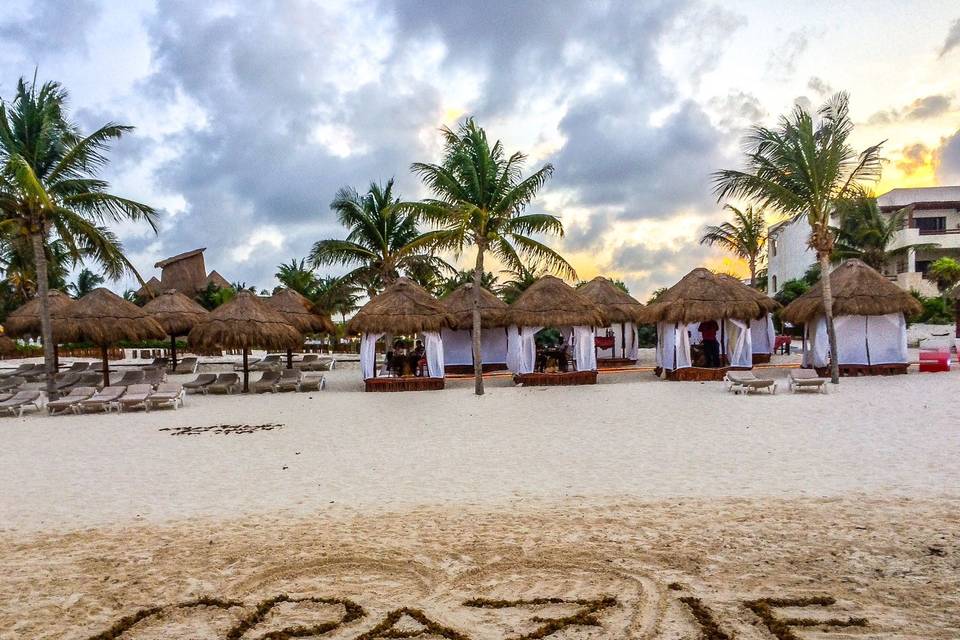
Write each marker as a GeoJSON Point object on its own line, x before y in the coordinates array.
{"type": "Point", "coordinates": [246, 373]}
{"type": "Point", "coordinates": [289, 358]}
{"type": "Point", "coordinates": [106, 366]}
{"type": "Point", "coordinates": [56, 357]}
{"type": "Point", "coordinates": [173, 352]}
{"type": "Point", "coordinates": [623, 340]}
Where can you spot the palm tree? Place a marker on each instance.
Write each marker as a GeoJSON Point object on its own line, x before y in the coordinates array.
{"type": "Point", "coordinates": [297, 276]}
{"type": "Point", "coordinates": [479, 201]}
{"type": "Point", "coordinates": [804, 167]}
{"type": "Point", "coordinates": [518, 280]}
{"type": "Point", "coordinates": [946, 271]}
{"type": "Point", "coordinates": [865, 232]}
{"type": "Point", "coordinates": [86, 282]}
{"type": "Point", "coordinates": [462, 277]}
{"type": "Point", "coordinates": [745, 237]}
{"type": "Point", "coordinates": [335, 296]}
{"type": "Point", "coordinates": [49, 189]}
{"type": "Point", "coordinates": [383, 239]}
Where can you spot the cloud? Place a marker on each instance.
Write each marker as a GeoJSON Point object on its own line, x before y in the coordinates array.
{"type": "Point", "coordinates": [784, 58]}
{"type": "Point", "coordinates": [947, 160]}
{"type": "Point", "coordinates": [48, 27]}
{"type": "Point", "coordinates": [953, 38]}
{"type": "Point", "coordinates": [914, 158]}
{"type": "Point", "coordinates": [820, 87]}
{"type": "Point", "coordinates": [920, 109]}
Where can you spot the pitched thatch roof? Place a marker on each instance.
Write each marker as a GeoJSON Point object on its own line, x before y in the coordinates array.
{"type": "Point", "coordinates": [300, 312]}
{"type": "Point", "coordinates": [104, 318]}
{"type": "Point", "coordinates": [403, 307]}
{"type": "Point", "coordinates": [245, 322]}
{"type": "Point", "coordinates": [857, 290]}
{"type": "Point", "coordinates": [25, 321]}
{"type": "Point", "coordinates": [769, 304]}
{"type": "Point", "coordinates": [215, 278]}
{"type": "Point", "coordinates": [180, 256]}
{"type": "Point", "coordinates": [7, 346]}
{"type": "Point", "coordinates": [703, 295]}
{"type": "Point", "coordinates": [615, 304]}
{"type": "Point", "coordinates": [459, 304]}
{"type": "Point", "coordinates": [150, 289]}
{"type": "Point", "coordinates": [175, 312]}
{"type": "Point", "coordinates": [551, 302]}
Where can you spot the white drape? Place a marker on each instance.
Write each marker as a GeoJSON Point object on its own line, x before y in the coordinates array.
{"type": "Point", "coordinates": [457, 347]}
{"type": "Point", "coordinates": [513, 349]}
{"type": "Point", "coordinates": [493, 345]}
{"type": "Point", "coordinates": [584, 355]}
{"type": "Point", "coordinates": [433, 348]}
{"type": "Point", "coordinates": [633, 341]}
{"type": "Point", "coordinates": [527, 358]}
{"type": "Point", "coordinates": [762, 335]}
{"type": "Point", "coordinates": [368, 354]}
{"type": "Point", "coordinates": [863, 340]}
{"type": "Point", "coordinates": [693, 331]}
{"type": "Point", "coordinates": [673, 346]}
{"type": "Point", "coordinates": [738, 337]}
{"type": "Point", "coordinates": [624, 340]}
{"type": "Point", "coordinates": [851, 339]}
{"type": "Point", "coordinates": [817, 351]}
{"type": "Point", "coordinates": [887, 337]}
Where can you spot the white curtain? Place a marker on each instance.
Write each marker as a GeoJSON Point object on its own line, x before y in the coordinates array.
{"type": "Point", "coordinates": [457, 347]}
{"type": "Point", "coordinates": [851, 339]}
{"type": "Point", "coordinates": [633, 341]}
{"type": "Point", "coordinates": [817, 351]}
{"type": "Point", "coordinates": [513, 349]}
{"type": "Point", "coordinates": [693, 331]}
{"type": "Point", "coordinates": [887, 336]}
{"type": "Point", "coordinates": [673, 339]}
{"type": "Point", "coordinates": [624, 340]}
{"type": "Point", "coordinates": [433, 346]}
{"type": "Point", "coordinates": [493, 345]}
{"type": "Point", "coordinates": [738, 338]}
{"type": "Point", "coordinates": [584, 355]}
{"type": "Point", "coordinates": [522, 354]}
{"type": "Point", "coordinates": [368, 354]}
{"type": "Point", "coordinates": [762, 335]}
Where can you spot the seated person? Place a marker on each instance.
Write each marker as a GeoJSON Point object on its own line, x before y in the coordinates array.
{"type": "Point", "coordinates": [420, 353]}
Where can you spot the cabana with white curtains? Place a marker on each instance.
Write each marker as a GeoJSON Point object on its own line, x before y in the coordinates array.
{"type": "Point", "coordinates": [763, 336]}
{"type": "Point", "coordinates": [861, 340]}
{"type": "Point", "coordinates": [522, 347]}
{"type": "Point", "coordinates": [735, 338]}
{"type": "Point", "coordinates": [458, 339]}
{"type": "Point", "coordinates": [620, 311]}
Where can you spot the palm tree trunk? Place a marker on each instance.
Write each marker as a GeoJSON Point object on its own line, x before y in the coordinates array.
{"type": "Point", "coordinates": [173, 352]}
{"type": "Point", "coordinates": [246, 372]}
{"type": "Point", "coordinates": [753, 272]}
{"type": "Point", "coordinates": [477, 358]}
{"type": "Point", "coordinates": [828, 312]}
{"type": "Point", "coordinates": [46, 326]}
{"type": "Point", "coordinates": [105, 356]}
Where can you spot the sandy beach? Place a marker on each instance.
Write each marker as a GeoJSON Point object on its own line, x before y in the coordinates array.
{"type": "Point", "coordinates": [643, 491]}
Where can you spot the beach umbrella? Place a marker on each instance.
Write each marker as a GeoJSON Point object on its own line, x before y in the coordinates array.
{"type": "Point", "coordinates": [551, 302]}
{"type": "Point", "coordinates": [104, 318]}
{"type": "Point", "coordinates": [24, 322]}
{"type": "Point", "coordinates": [177, 314]}
{"type": "Point", "coordinates": [459, 305]}
{"type": "Point", "coordinates": [301, 313]}
{"type": "Point", "coordinates": [244, 323]}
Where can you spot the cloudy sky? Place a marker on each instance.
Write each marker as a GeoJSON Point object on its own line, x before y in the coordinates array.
{"type": "Point", "coordinates": [250, 115]}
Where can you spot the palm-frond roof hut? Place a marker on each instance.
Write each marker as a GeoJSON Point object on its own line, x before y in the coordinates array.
{"type": "Point", "coordinates": [150, 289]}
{"type": "Point", "coordinates": [300, 312]}
{"type": "Point", "coordinates": [857, 290]}
{"type": "Point", "coordinates": [616, 305]}
{"type": "Point", "coordinates": [25, 320]}
{"type": "Point", "coordinates": [403, 307]}
{"type": "Point", "coordinates": [175, 312]}
{"type": "Point", "coordinates": [7, 346]}
{"type": "Point", "coordinates": [245, 322]}
{"type": "Point", "coordinates": [703, 295]}
{"type": "Point", "coordinates": [551, 302]}
{"type": "Point", "coordinates": [104, 318]}
{"type": "Point", "coordinates": [459, 304]}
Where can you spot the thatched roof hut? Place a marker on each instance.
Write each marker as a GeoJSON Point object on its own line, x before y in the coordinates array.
{"type": "Point", "coordinates": [703, 295]}
{"type": "Point", "coordinates": [245, 322]}
{"type": "Point", "coordinates": [551, 302]}
{"type": "Point", "coordinates": [175, 312]}
{"type": "Point", "coordinates": [616, 305]}
{"type": "Point", "coordinates": [104, 318]}
{"type": "Point", "coordinates": [857, 290]}
{"type": "Point", "coordinates": [150, 289]}
{"type": "Point", "coordinates": [459, 304]}
{"type": "Point", "coordinates": [7, 346]}
{"type": "Point", "coordinates": [25, 321]}
{"type": "Point", "coordinates": [300, 312]}
{"type": "Point", "coordinates": [404, 307]}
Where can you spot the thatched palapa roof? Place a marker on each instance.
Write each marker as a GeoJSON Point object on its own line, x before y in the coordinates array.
{"type": "Point", "coordinates": [615, 304]}
{"type": "Point", "coordinates": [703, 295]}
{"type": "Point", "coordinates": [551, 302]}
{"type": "Point", "coordinates": [175, 312]}
{"type": "Point", "coordinates": [300, 312]}
{"type": "Point", "coordinates": [104, 318]}
{"type": "Point", "coordinates": [25, 321]}
{"type": "Point", "coordinates": [150, 289]}
{"type": "Point", "coordinates": [857, 290]}
{"type": "Point", "coordinates": [403, 307]}
{"type": "Point", "coordinates": [246, 322]}
{"type": "Point", "coordinates": [7, 346]}
{"type": "Point", "coordinates": [459, 304]}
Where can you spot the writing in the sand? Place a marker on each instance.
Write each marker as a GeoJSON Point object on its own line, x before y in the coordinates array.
{"type": "Point", "coordinates": [277, 618]}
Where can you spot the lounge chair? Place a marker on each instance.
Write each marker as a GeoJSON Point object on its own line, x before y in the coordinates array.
{"type": "Point", "coordinates": [289, 380]}
{"type": "Point", "coordinates": [267, 382]}
{"type": "Point", "coordinates": [313, 383]}
{"type": "Point", "coordinates": [19, 402]}
{"type": "Point", "coordinates": [153, 376]}
{"type": "Point", "coordinates": [269, 362]}
{"type": "Point", "coordinates": [19, 371]}
{"type": "Point", "coordinates": [79, 367]}
{"type": "Point", "coordinates": [201, 382]}
{"type": "Point", "coordinates": [746, 382]}
{"type": "Point", "coordinates": [37, 374]}
{"type": "Point", "coordinates": [160, 363]}
{"type": "Point", "coordinates": [88, 379]}
{"type": "Point", "coordinates": [167, 395]}
{"type": "Point", "coordinates": [136, 396]}
{"type": "Point", "coordinates": [187, 365]}
{"type": "Point", "coordinates": [11, 383]}
{"type": "Point", "coordinates": [66, 380]}
{"type": "Point", "coordinates": [225, 383]}
{"type": "Point", "coordinates": [66, 403]}
{"type": "Point", "coordinates": [800, 379]}
{"type": "Point", "coordinates": [313, 362]}
{"type": "Point", "coordinates": [102, 400]}
{"type": "Point", "coordinates": [129, 378]}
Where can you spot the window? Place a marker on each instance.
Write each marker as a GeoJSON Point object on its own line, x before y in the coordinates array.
{"type": "Point", "coordinates": [930, 225]}
{"type": "Point", "coordinates": [922, 266]}
{"type": "Point", "coordinates": [773, 248]}
{"type": "Point", "coordinates": [774, 284]}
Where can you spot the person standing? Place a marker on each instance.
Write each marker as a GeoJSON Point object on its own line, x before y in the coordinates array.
{"type": "Point", "coordinates": [711, 348]}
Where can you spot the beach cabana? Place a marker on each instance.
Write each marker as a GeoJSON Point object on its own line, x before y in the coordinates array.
{"type": "Point", "coordinates": [458, 339]}
{"type": "Point", "coordinates": [763, 336]}
{"type": "Point", "coordinates": [621, 313]}
{"type": "Point", "coordinates": [868, 316]}
{"type": "Point", "coordinates": [403, 309]}
{"type": "Point", "coordinates": [702, 295]}
{"type": "Point", "coordinates": [245, 322]}
{"type": "Point", "coordinates": [550, 302]}
{"type": "Point", "coordinates": [177, 314]}
{"type": "Point", "coordinates": [302, 314]}
{"type": "Point", "coordinates": [24, 322]}
{"type": "Point", "coordinates": [104, 318]}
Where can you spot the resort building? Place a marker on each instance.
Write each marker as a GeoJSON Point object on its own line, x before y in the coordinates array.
{"type": "Point", "coordinates": [933, 217]}
{"type": "Point", "coordinates": [185, 272]}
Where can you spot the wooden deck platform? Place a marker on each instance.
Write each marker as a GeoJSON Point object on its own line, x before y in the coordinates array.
{"type": "Point", "coordinates": [404, 383]}
{"type": "Point", "coordinates": [699, 374]}
{"type": "Point", "coordinates": [556, 379]}
{"type": "Point", "coordinates": [615, 363]}
{"type": "Point", "coordinates": [761, 358]}
{"type": "Point", "coordinates": [855, 370]}
{"type": "Point", "coordinates": [466, 369]}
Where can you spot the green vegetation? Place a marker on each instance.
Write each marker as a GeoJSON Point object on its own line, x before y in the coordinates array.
{"type": "Point", "coordinates": [745, 237]}
{"type": "Point", "coordinates": [864, 232]}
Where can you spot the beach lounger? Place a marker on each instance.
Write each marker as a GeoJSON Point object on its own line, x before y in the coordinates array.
{"type": "Point", "coordinates": [9, 384]}
{"type": "Point", "coordinates": [78, 367]}
{"type": "Point", "coordinates": [19, 371]}
{"type": "Point", "coordinates": [135, 397]}
{"type": "Point", "coordinates": [153, 376]}
{"type": "Point", "coordinates": [187, 365]}
{"type": "Point", "coordinates": [225, 383]}
{"type": "Point", "coordinates": [313, 383]}
{"type": "Point", "coordinates": [66, 380]}
{"type": "Point", "coordinates": [129, 378]}
{"type": "Point", "coordinates": [269, 362]}
{"type": "Point", "coordinates": [66, 403]}
{"type": "Point", "coordinates": [313, 362]}
{"type": "Point", "coordinates": [267, 382]}
{"type": "Point", "coordinates": [200, 382]}
{"type": "Point", "coordinates": [159, 363]}
{"type": "Point", "coordinates": [800, 379]}
{"type": "Point", "coordinates": [88, 379]}
{"type": "Point", "coordinates": [167, 395]}
{"type": "Point", "coordinates": [16, 405]}
{"type": "Point", "coordinates": [746, 382]}
{"type": "Point", "coordinates": [102, 400]}
{"type": "Point", "coordinates": [289, 380]}
{"type": "Point", "coordinates": [37, 374]}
